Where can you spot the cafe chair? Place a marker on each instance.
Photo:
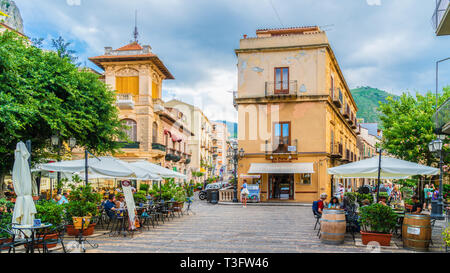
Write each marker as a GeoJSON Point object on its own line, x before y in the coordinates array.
{"type": "Point", "coordinates": [16, 241]}
{"type": "Point", "coordinates": [317, 216]}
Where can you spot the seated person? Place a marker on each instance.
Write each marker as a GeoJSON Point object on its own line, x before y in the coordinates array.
{"type": "Point", "coordinates": [110, 206]}
{"type": "Point", "coordinates": [321, 203]}
{"type": "Point", "coordinates": [365, 202]}
{"type": "Point", "coordinates": [417, 207]}
{"type": "Point", "coordinates": [334, 203]}
{"type": "Point", "coordinates": [383, 200]}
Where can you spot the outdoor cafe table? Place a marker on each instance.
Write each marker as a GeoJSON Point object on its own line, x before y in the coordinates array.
{"type": "Point", "coordinates": [32, 229]}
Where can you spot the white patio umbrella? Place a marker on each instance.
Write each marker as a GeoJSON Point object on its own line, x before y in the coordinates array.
{"type": "Point", "coordinates": [109, 167]}
{"type": "Point", "coordinates": [24, 210]}
{"type": "Point", "coordinates": [391, 168]}
{"type": "Point", "coordinates": [159, 170]}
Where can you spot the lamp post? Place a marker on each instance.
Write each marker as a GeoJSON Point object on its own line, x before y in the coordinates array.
{"type": "Point", "coordinates": [57, 143]}
{"type": "Point", "coordinates": [437, 206]}
{"type": "Point", "coordinates": [234, 155]}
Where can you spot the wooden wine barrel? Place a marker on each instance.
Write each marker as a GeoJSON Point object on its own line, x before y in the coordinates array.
{"type": "Point", "coordinates": [416, 232]}
{"type": "Point", "coordinates": [333, 226]}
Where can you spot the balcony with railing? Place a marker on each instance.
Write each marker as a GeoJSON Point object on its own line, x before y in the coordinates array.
{"type": "Point", "coordinates": [281, 89]}
{"type": "Point", "coordinates": [336, 150]}
{"type": "Point", "coordinates": [158, 147]}
{"type": "Point", "coordinates": [441, 17]}
{"type": "Point", "coordinates": [442, 116]}
{"type": "Point", "coordinates": [281, 148]}
{"type": "Point", "coordinates": [337, 97]}
{"type": "Point", "coordinates": [125, 101]}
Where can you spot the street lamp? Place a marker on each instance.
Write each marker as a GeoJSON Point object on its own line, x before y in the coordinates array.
{"type": "Point", "coordinates": [235, 154]}
{"type": "Point", "coordinates": [437, 206]}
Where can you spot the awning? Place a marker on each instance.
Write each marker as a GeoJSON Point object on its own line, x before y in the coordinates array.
{"type": "Point", "coordinates": [250, 176]}
{"type": "Point", "coordinates": [281, 168]}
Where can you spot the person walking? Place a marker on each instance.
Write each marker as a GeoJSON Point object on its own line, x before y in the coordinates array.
{"type": "Point", "coordinates": [244, 193]}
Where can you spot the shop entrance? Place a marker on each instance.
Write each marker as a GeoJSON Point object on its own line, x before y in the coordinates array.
{"type": "Point", "coordinates": [281, 186]}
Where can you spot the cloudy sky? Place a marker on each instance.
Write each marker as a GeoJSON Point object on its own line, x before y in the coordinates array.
{"type": "Point", "coordinates": [388, 44]}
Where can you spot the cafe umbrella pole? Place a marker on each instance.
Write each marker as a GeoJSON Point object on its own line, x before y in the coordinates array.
{"type": "Point", "coordinates": [379, 175]}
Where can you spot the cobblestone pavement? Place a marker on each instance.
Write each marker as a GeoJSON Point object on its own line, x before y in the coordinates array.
{"type": "Point", "coordinates": [234, 229]}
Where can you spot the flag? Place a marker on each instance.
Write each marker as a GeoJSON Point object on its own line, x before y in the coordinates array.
{"type": "Point", "coordinates": [3, 14]}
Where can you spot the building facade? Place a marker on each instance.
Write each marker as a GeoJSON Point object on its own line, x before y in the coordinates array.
{"type": "Point", "coordinates": [137, 75]}
{"type": "Point", "coordinates": [220, 137]}
{"type": "Point", "coordinates": [297, 117]}
{"type": "Point", "coordinates": [201, 144]}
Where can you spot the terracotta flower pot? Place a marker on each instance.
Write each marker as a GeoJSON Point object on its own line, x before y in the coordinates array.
{"type": "Point", "coordinates": [384, 239]}
{"type": "Point", "coordinates": [78, 222]}
{"type": "Point", "coordinates": [47, 237]}
{"type": "Point", "coordinates": [71, 231]}
{"type": "Point", "coordinates": [3, 241]}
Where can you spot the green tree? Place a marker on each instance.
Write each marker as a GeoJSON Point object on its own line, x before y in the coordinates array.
{"type": "Point", "coordinates": [409, 126]}
{"type": "Point", "coordinates": [63, 49]}
{"type": "Point", "coordinates": [41, 93]}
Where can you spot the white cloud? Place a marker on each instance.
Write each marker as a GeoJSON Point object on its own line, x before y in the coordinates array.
{"type": "Point", "coordinates": [212, 94]}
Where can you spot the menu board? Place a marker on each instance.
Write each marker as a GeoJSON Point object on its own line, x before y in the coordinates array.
{"type": "Point", "coordinates": [129, 200]}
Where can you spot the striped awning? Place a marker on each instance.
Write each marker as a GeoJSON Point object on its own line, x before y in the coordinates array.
{"type": "Point", "coordinates": [281, 168]}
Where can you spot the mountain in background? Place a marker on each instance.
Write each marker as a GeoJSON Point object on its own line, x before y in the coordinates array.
{"type": "Point", "coordinates": [231, 126]}
{"type": "Point", "coordinates": [14, 19]}
{"type": "Point", "coordinates": [367, 99]}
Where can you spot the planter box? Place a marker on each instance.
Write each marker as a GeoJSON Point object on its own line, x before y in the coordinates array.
{"type": "Point", "coordinates": [5, 241]}
{"type": "Point", "coordinates": [47, 237]}
{"type": "Point", "coordinates": [71, 231]}
{"type": "Point", "coordinates": [382, 238]}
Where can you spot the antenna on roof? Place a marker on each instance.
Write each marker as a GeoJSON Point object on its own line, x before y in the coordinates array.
{"type": "Point", "coordinates": [327, 27]}
{"type": "Point", "coordinates": [136, 32]}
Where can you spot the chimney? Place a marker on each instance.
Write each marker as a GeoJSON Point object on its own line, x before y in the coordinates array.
{"type": "Point", "coordinates": [147, 48]}
{"type": "Point", "coordinates": [108, 50]}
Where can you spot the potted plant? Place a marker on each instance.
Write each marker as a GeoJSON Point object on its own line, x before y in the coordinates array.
{"type": "Point", "coordinates": [50, 213]}
{"type": "Point", "coordinates": [5, 221]}
{"type": "Point", "coordinates": [83, 205]}
{"type": "Point", "coordinates": [140, 198]}
{"type": "Point", "coordinates": [408, 204]}
{"type": "Point", "coordinates": [446, 237]}
{"type": "Point", "coordinates": [377, 223]}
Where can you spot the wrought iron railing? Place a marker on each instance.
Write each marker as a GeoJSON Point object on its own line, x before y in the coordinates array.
{"type": "Point", "coordinates": [280, 148]}
{"type": "Point", "coordinates": [275, 89]}
{"type": "Point", "coordinates": [441, 7]}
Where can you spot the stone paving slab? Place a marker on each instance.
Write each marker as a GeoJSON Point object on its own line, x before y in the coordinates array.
{"type": "Point", "coordinates": [233, 229]}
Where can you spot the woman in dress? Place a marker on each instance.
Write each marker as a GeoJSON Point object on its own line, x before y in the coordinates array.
{"type": "Point", "coordinates": [244, 193]}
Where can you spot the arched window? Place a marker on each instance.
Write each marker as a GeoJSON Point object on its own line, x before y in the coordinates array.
{"type": "Point", "coordinates": [155, 133]}
{"type": "Point", "coordinates": [131, 131]}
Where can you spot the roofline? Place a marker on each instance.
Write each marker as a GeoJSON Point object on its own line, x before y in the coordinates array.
{"type": "Point", "coordinates": [99, 60]}
{"type": "Point", "coordinates": [312, 46]}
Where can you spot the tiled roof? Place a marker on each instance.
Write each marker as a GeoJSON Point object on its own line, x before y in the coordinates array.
{"type": "Point", "coordinates": [149, 56]}
{"type": "Point", "coordinates": [132, 46]}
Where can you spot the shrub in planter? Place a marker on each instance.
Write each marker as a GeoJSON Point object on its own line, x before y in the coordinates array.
{"type": "Point", "coordinates": [145, 188]}
{"type": "Point", "coordinates": [378, 222]}
{"type": "Point", "coordinates": [446, 236]}
{"type": "Point", "coordinates": [83, 202]}
{"type": "Point", "coordinates": [140, 197]}
{"type": "Point", "coordinates": [5, 221]}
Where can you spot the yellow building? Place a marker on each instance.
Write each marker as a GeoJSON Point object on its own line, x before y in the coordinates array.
{"type": "Point", "coordinates": [297, 117]}
{"type": "Point", "coordinates": [137, 74]}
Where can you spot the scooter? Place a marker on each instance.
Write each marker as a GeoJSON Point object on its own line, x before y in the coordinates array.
{"type": "Point", "coordinates": [202, 195]}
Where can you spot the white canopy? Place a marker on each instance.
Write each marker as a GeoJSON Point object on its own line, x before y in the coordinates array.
{"type": "Point", "coordinates": [24, 210]}
{"type": "Point", "coordinates": [108, 167]}
{"type": "Point", "coordinates": [258, 168]}
{"type": "Point", "coordinates": [159, 170]}
{"type": "Point", "coordinates": [391, 168]}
